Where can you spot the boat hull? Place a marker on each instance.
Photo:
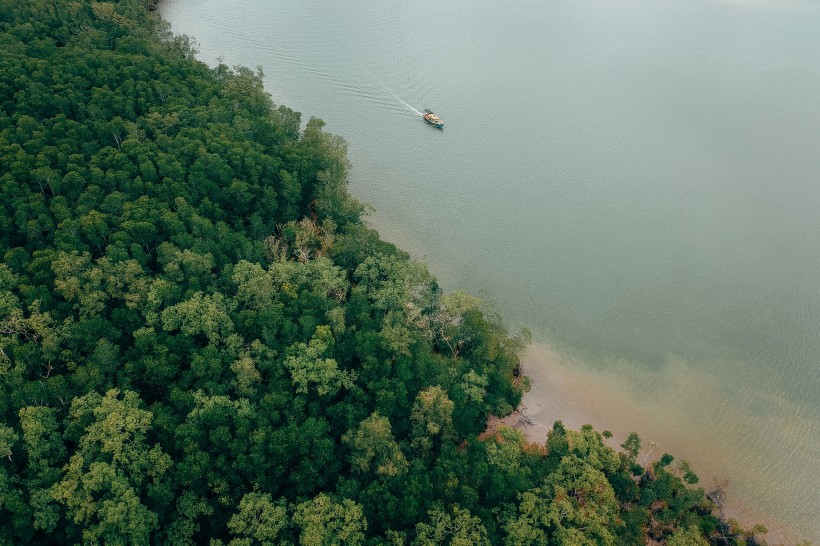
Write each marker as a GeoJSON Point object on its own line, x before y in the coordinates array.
{"type": "Point", "coordinates": [433, 119]}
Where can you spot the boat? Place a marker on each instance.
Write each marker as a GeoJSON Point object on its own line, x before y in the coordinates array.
{"type": "Point", "coordinates": [433, 119]}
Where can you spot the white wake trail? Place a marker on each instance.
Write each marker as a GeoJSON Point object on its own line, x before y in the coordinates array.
{"type": "Point", "coordinates": [401, 100]}
{"type": "Point", "coordinates": [398, 98]}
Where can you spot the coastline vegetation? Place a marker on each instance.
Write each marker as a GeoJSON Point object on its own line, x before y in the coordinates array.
{"type": "Point", "coordinates": [202, 343]}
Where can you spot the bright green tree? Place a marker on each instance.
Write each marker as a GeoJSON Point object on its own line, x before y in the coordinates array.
{"type": "Point", "coordinates": [374, 449]}
{"type": "Point", "coordinates": [458, 528]}
{"type": "Point", "coordinates": [432, 418]}
{"type": "Point", "coordinates": [107, 480]}
{"type": "Point", "coordinates": [325, 522]}
{"type": "Point", "coordinates": [310, 369]}
{"type": "Point", "coordinates": [258, 520]}
{"type": "Point", "coordinates": [689, 536]}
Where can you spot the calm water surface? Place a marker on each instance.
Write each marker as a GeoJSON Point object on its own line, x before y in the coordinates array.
{"type": "Point", "coordinates": [638, 182]}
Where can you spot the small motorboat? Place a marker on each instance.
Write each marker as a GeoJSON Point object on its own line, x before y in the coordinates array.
{"type": "Point", "coordinates": [433, 119]}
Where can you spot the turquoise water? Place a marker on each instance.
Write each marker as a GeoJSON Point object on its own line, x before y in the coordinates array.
{"type": "Point", "coordinates": [635, 181]}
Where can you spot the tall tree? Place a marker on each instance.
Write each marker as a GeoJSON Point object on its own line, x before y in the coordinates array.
{"type": "Point", "coordinates": [114, 473]}
{"type": "Point", "coordinates": [432, 418]}
{"type": "Point", "coordinates": [374, 449]}
{"type": "Point", "coordinates": [324, 521]}
{"type": "Point", "coordinates": [310, 369]}
{"type": "Point", "coordinates": [258, 520]}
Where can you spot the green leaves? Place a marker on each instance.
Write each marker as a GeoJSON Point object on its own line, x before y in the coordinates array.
{"type": "Point", "coordinates": [310, 371]}
{"type": "Point", "coordinates": [324, 521]}
{"type": "Point", "coordinates": [46, 451]}
{"type": "Point", "coordinates": [105, 479]}
{"type": "Point", "coordinates": [259, 519]}
{"type": "Point", "coordinates": [374, 449]}
{"type": "Point", "coordinates": [44, 445]}
{"type": "Point", "coordinates": [202, 314]}
{"type": "Point", "coordinates": [575, 506]}
{"type": "Point", "coordinates": [432, 419]}
{"type": "Point", "coordinates": [689, 536]}
{"type": "Point", "coordinates": [456, 529]}
{"type": "Point", "coordinates": [8, 437]}
{"type": "Point", "coordinates": [16, 329]}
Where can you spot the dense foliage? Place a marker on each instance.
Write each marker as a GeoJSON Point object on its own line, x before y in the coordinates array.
{"type": "Point", "coordinates": [201, 342]}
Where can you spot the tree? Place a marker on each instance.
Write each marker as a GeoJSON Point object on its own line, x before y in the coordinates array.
{"type": "Point", "coordinates": [508, 472]}
{"type": "Point", "coordinates": [16, 329]}
{"type": "Point", "coordinates": [326, 522]}
{"type": "Point", "coordinates": [202, 314]}
{"type": "Point", "coordinates": [631, 447]}
{"type": "Point", "coordinates": [576, 505]}
{"type": "Point", "coordinates": [458, 529]}
{"type": "Point", "coordinates": [183, 526]}
{"type": "Point", "coordinates": [106, 482]}
{"type": "Point", "coordinates": [45, 451]}
{"type": "Point", "coordinates": [526, 528]}
{"type": "Point", "coordinates": [259, 520]}
{"type": "Point", "coordinates": [318, 276]}
{"type": "Point", "coordinates": [588, 444]}
{"type": "Point", "coordinates": [7, 439]}
{"type": "Point", "coordinates": [474, 386]}
{"type": "Point", "coordinates": [308, 367]}
{"type": "Point", "coordinates": [374, 449]}
{"type": "Point", "coordinates": [213, 439]}
{"type": "Point", "coordinates": [447, 320]}
{"type": "Point", "coordinates": [247, 375]}
{"type": "Point", "coordinates": [686, 472]}
{"type": "Point", "coordinates": [689, 536]}
{"type": "Point", "coordinates": [402, 295]}
{"type": "Point", "coordinates": [432, 418]}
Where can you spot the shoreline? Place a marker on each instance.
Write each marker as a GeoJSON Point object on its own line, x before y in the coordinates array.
{"type": "Point", "coordinates": [584, 397]}
{"type": "Point", "coordinates": [577, 396]}
{"type": "Point", "coordinates": [669, 406]}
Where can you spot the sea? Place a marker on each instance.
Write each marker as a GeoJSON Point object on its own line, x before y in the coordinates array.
{"type": "Point", "coordinates": [636, 182]}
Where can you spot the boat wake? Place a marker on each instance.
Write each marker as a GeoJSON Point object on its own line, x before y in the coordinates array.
{"type": "Point", "coordinates": [405, 103]}
{"type": "Point", "coordinates": [385, 97]}
{"type": "Point", "coordinates": [401, 101]}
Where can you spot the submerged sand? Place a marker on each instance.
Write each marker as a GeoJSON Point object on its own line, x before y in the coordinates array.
{"type": "Point", "coordinates": [668, 409]}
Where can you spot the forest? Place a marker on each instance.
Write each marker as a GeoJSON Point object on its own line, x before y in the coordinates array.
{"type": "Point", "coordinates": [202, 342]}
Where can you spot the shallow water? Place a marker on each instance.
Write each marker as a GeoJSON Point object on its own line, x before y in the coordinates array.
{"type": "Point", "coordinates": [635, 181]}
